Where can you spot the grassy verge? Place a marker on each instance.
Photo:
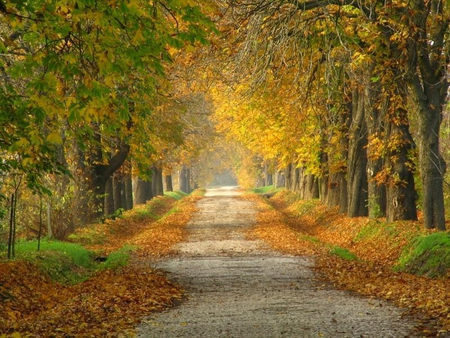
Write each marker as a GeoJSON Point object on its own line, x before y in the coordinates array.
{"type": "Point", "coordinates": [66, 263]}
{"type": "Point", "coordinates": [427, 255]}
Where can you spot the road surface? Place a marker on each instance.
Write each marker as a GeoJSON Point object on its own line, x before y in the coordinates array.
{"type": "Point", "coordinates": [240, 288]}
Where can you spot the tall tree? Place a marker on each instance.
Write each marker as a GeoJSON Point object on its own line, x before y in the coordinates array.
{"type": "Point", "coordinates": [96, 66]}
{"type": "Point", "coordinates": [403, 43]}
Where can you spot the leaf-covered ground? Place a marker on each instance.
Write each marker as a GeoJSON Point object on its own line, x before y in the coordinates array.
{"type": "Point", "coordinates": [109, 303]}
{"type": "Point", "coordinates": [294, 228]}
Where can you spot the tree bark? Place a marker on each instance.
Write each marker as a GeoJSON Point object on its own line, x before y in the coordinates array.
{"type": "Point", "coordinates": [427, 71]}
{"type": "Point", "coordinates": [118, 192]}
{"type": "Point", "coordinates": [157, 181]}
{"type": "Point", "coordinates": [357, 160]}
{"type": "Point", "coordinates": [401, 194]}
{"type": "Point", "coordinates": [374, 119]}
{"type": "Point", "coordinates": [98, 175]}
{"type": "Point", "coordinates": [280, 179]}
{"type": "Point", "coordinates": [185, 179]}
{"type": "Point", "coordinates": [427, 77]}
{"type": "Point", "coordinates": [143, 191]}
{"type": "Point", "coordinates": [109, 197]}
{"type": "Point", "coordinates": [169, 183]}
{"type": "Point", "coordinates": [128, 191]}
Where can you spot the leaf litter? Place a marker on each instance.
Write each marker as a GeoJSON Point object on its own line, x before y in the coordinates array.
{"type": "Point", "coordinates": [314, 233]}
{"type": "Point", "coordinates": [110, 303]}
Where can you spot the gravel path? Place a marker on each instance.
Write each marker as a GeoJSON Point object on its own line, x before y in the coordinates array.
{"type": "Point", "coordinates": [240, 288]}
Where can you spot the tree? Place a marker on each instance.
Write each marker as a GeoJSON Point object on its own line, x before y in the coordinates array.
{"type": "Point", "coordinates": [90, 70]}
{"type": "Point", "coordinates": [403, 46]}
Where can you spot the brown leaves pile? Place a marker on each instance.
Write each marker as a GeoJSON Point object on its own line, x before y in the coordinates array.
{"type": "Point", "coordinates": [316, 232]}
{"type": "Point", "coordinates": [107, 305]}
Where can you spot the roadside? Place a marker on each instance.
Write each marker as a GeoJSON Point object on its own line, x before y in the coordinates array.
{"type": "Point", "coordinates": [114, 297]}
{"type": "Point", "coordinates": [355, 255]}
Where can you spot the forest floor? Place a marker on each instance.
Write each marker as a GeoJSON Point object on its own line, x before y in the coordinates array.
{"type": "Point", "coordinates": [292, 251]}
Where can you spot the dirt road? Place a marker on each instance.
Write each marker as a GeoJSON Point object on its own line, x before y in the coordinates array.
{"type": "Point", "coordinates": [240, 288]}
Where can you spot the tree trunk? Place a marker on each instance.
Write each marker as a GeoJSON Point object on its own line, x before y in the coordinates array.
{"type": "Point", "coordinates": [143, 191]}
{"type": "Point", "coordinates": [185, 179]}
{"type": "Point", "coordinates": [296, 173]}
{"type": "Point", "coordinates": [269, 179]}
{"type": "Point", "coordinates": [288, 177]}
{"type": "Point", "coordinates": [357, 160]}
{"type": "Point", "coordinates": [109, 198]}
{"type": "Point", "coordinates": [267, 175]}
{"type": "Point", "coordinates": [157, 181]}
{"type": "Point", "coordinates": [427, 70]}
{"type": "Point", "coordinates": [128, 191]}
{"type": "Point", "coordinates": [169, 183]}
{"type": "Point", "coordinates": [374, 119]}
{"type": "Point", "coordinates": [102, 172]}
{"type": "Point", "coordinates": [432, 167]}
{"type": "Point", "coordinates": [401, 193]}
{"type": "Point", "coordinates": [280, 179]}
{"type": "Point", "coordinates": [333, 186]}
{"type": "Point", "coordinates": [118, 192]}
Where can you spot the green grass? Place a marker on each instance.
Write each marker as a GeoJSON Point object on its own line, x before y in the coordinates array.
{"type": "Point", "coordinates": [87, 237]}
{"type": "Point", "coordinates": [369, 231]}
{"type": "Point", "coordinates": [427, 255]}
{"type": "Point", "coordinates": [66, 263]}
{"type": "Point", "coordinates": [263, 190]}
{"type": "Point", "coordinates": [198, 192]}
{"type": "Point", "coordinates": [76, 252]}
{"type": "Point", "coordinates": [178, 195]}
{"type": "Point", "coordinates": [117, 258]}
{"type": "Point", "coordinates": [309, 238]}
{"type": "Point", "coordinates": [343, 253]}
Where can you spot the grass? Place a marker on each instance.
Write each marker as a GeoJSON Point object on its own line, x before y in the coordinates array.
{"type": "Point", "coordinates": [178, 195]}
{"type": "Point", "coordinates": [263, 190]}
{"type": "Point", "coordinates": [76, 252]}
{"type": "Point", "coordinates": [69, 263]}
{"type": "Point", "coordinates": [66, 263]}
{"type": "Point", "coordinates": [303, 207]}
{"type": "Point", "coordinates": [118, 258]}
{"type": "Point", "coordinates": [427, 255]}
{"type": "Point", "coordinates": [343, 253]}
{"type": "Point", "coordinates": [371, 230]}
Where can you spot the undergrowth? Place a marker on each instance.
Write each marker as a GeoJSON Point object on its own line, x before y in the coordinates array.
{"type": "Point", "coordinates": [117, 258]}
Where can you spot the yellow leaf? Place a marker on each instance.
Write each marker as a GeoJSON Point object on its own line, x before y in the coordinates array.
{"type": "Point", "coordinates": [54, 138]}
